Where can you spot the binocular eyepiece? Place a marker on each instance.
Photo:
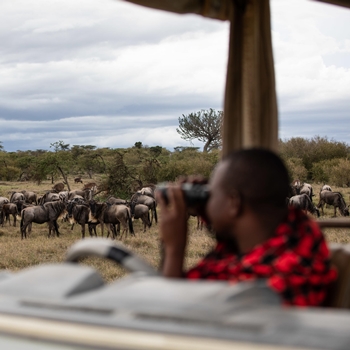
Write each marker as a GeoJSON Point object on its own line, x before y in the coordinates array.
{"type": "Point", "coordinates": [195, 194]}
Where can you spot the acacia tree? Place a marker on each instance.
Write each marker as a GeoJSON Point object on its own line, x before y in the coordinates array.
{"type": "Point", "coordinates": [204, 126]}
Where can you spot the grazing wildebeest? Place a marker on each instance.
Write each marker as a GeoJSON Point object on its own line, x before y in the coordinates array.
{"type": "Point", "coordinates": [49, 197]}
{"type": "Point", "coordinates": [59, 187]}
{"type": "Point", "coordinates": [151, 203]}
{"type": "Point", "coordinates": [79, 213]}
{"type": "Point", "coordinates": [30, 197]}
{"type": "Point", "coordinates": [78, 179]}
{"type": "Point", "coordinates": [7, 210]}
{"type": "Point", "coordinates": [48, 212]}
{"type": "Point", "coordinates": [303, 202]}
{"type": "Point", "coordinates": [16, 196]}
{"type": "Point", "coordinates": [111, 214]}
{"type": "Point", "coordinates": [333, 198]}
{"type": "Point", "coordinates": [307, 189]}
{"type": "Point", "coordinates": [142, 212]}
{"type": "Point", "coordinates": [326, 188]}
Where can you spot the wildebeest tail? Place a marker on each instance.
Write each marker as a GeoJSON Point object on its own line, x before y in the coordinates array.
{"type": "Point", "coordinates": [155, 213]}
{"type": "Point", "coordinates": [149, 219]}
{"type": "Point", "coordinates": [131, 227]}
{"type": "Point", "coordinates": [21, 224]}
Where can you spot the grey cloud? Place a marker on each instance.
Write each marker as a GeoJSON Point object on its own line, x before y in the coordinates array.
{"type": "Point", "coordinates": [93, 32]}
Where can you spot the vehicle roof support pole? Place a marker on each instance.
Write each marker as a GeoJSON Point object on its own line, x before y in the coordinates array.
{"type": "Point", "coordinates": [250, 111]}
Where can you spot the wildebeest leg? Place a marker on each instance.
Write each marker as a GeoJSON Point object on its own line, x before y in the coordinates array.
{"type": "Point", "coordinates": [92, 227]}
{"type": "Point", "coordinates": [8, 219]}
{"type": "Point", "coordinates": [23, 229]}
{"type": "Point", "coordinates": [82, 231]}
{"type": "Point", "coordinates": [111, 228]}
{"type": "Point", "coordinates": [56, 227]}
{"type": "Point", "coordinates": [124, 230]}
{"type": "Point", "coordinates": [320, 205]}
{"type": "Point", "coordinates": [155, 213]}
{"type": "Point", "coordinates": [145, 222]}
{"type": "Point", "coordinates": [335, 210]}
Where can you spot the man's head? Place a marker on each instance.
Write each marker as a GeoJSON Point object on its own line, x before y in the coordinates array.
{"type": "Point", "coordinates": [252, 179]}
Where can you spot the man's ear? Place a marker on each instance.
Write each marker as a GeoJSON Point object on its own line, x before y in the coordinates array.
{"type": "Point", "coordinates": [235, 201]}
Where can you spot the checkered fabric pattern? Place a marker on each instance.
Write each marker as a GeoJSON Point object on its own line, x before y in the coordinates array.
{"type": "Point", "coordinates": [295, 261]}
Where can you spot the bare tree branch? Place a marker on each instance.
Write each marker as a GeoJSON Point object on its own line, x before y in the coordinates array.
{"type": "Point", "coordinates": [204, 126]}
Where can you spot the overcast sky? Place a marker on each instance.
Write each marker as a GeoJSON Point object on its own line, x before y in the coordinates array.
{"type": "Point", "coordinates": [109, 73]}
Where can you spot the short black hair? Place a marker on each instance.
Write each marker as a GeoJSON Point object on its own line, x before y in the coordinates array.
{"type": "Point", "coordinates": [260, 176]}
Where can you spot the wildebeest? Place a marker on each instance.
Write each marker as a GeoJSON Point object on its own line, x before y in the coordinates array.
{"type": "Point", "coordinates": [90, 186]}
{"type": "Point", "coordinates": [63, 195]}
{"type": "Point", "coordinates": [78, 179]}
{"type": "Point", "coordinates": [48, 212]}
{"type": "Point", "coordinates": [295, 187]}
{"type": "Point", "coordinates": [148, 190]}
{"type": "Point", "coordinates": [307, 189]}
{"type": "Point", "coordinates": [200, 221]}
{"type": "Point", "coordinates": [333, 198]}
{"type": "Point", "coordinates": [49, 197]}
{"type": "Point", "coordinates": [16, 196]}
{"type": "Point", "coordinates": [79, 213]}
{"type": "Point", "coordinates": [114, 200]}
{"type": "Point", "coordinates": [303, 202]}
{"type": "Point", "coordinates": [142, 212]}
{"type": "Point", "coordinates": [30, 197]}
{"type": "Point", "coordinates": [86, 194]}
{"type": "Point", "coordinates": [326, 188]}
{"type": "Point", "coordinates": [4, 200]}
{"type": "Point", "coordinates": [59, 187]}
{"type": "Point", "coordinates": [7, 210]}
{"type": "Point", "coordinates": [111, 214]}
{"type": "Point", "coordinates": [21, 205]}
{"type": "Point", "coordinates": [151, 203]}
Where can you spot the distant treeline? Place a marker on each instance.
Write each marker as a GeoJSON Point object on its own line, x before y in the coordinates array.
{"type": "Point", "coordinates": [124, 170]}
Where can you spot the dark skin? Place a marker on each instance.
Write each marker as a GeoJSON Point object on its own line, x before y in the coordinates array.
{"type": "Point", "coordinates": [229, 216]}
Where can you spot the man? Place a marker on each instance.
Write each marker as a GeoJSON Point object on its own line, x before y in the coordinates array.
{"type": "Point", "coordinates": [258, 236]}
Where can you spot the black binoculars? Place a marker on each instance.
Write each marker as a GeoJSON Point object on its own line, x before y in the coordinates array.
{"type": "Point", "coordinates": [195, 194]}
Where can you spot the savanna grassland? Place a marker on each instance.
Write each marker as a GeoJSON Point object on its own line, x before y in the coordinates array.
{"type": "Point", "coordinates": [17, 254]}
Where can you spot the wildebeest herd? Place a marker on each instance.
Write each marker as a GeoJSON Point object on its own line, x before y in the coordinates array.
{"type": "Point", "coordinates": [301, 197]}
{"type": "Point", "coordinates": [116, 214]}
{"type": "Point", "coordinates": [79, 207]}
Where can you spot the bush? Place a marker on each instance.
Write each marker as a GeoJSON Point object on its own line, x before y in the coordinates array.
{"type": "Point", "coordinates": [9, 173]}
{"type": "Point", "coordinates": [296, 169]}
{"type": "Point", "coordinates": [340, 174]}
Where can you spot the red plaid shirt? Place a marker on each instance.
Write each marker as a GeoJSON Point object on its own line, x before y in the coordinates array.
{"type": "Point", "coordinates": [294, 261]}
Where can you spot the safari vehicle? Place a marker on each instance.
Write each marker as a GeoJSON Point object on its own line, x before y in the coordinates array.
{"type": "Point", "coordinates": [68, 306]}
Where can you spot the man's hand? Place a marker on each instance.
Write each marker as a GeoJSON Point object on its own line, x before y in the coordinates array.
{"type": "Point", "coordinates": [173, 230]}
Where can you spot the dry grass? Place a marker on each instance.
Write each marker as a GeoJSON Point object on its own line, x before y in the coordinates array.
{"type": "Point", "coordinates": [17, 254]}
